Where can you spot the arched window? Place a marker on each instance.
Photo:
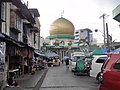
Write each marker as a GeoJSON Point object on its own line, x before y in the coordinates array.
{"type": "Point", "coordinates": [62, 42]}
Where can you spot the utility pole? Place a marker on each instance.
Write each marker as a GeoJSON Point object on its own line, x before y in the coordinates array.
{"type": "Point", "coordinates": [108, 39]}
{"type": "Point", "coordinates": [103, 17]}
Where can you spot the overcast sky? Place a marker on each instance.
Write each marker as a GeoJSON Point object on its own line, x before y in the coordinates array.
{"type": "Point", "coordinates": [82, 13]}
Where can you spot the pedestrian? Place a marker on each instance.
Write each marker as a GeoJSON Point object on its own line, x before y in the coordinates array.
{"type": "Point", "coordinates": [58, 60]}
{"type": "Point", "coordinates": [67, 64]}
{"type": "Point", "coordinates": [45, 63]}
{"type": "Point", "coordinates": [62, 61]}
{"type": "Point", "coordinates": [53, 62]}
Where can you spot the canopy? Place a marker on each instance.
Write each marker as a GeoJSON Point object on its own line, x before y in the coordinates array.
{"type": "Point", "coordinates": [37, 53]}
{"type": "Point", "coordinates": [103, 50]}
{"type": "Point", "coordinates": [97, 51]}
{"type": "Point", "coordinates": [52, 54]}
{"type": "Point", "coordinates": [2, 37]}
{"type": "Point", "coordinates": [117, 50]}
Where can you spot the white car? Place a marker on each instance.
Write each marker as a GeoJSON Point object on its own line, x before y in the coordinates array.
{"type": "Point", "coordinates": [97, 63]}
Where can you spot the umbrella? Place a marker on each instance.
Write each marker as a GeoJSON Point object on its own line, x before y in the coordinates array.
{"type": "Point", "coordinates": [52, 54]}
{"type": "Point", "coordinates": [65, 57]}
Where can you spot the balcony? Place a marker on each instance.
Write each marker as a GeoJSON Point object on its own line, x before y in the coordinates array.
{"type": "Point", "coordinates": [23, 8]}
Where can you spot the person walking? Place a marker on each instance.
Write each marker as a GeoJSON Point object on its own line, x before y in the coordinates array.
{"type": "Point", "coordinates": [45, 64]}
{"type": "Point", "coordinates": [58, 61]}
{"type": "Point", "coordinates": [67, 64]}
{"type": "Point", "coordinates": [62, 61]}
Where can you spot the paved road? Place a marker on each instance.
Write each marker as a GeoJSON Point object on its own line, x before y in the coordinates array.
{"type": "Point", "coordinates": [57, 78]}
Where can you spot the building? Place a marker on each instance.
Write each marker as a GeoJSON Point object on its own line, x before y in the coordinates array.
{"type": "Point", "coordinates": [116, 16]}
{"type": "Point", "coordinates": [20, 33]}
{"type": "Point", "coordinates": [61, 30]}
{"type": "Point", "coordinates": [61, 36]}
{"type": "Point", "coordinates": [83, 35]}
{"type": "Point", "coordinates": [116, 13]}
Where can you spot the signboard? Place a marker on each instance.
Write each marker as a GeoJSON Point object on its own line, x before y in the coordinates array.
{"type": "Point", "coordinates": [2, 63]}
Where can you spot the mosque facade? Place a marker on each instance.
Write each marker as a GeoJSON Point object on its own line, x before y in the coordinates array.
{"type": "Point", "coordinates": [61, 36]}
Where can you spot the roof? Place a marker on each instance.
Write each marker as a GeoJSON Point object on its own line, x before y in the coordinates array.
{"type": "Point", "coordinates": [61, 26]}
{"type": "Point", "coordinates": [35, 11]}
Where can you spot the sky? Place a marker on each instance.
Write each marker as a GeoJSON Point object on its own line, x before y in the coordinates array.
{"type": "Point", "coordinates": [82, 13]}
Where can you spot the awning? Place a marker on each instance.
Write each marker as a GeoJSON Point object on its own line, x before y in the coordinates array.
{"type": "Point", "coordinates": [117, 50]}
{"type": "Point", "coordinates": [97, 51]}
{"type": "Point", "coordinates": [52, 54]}
{"type": "Point", "coordinates": [37, 53]}
{"type": "Point", "coordinates": [2, 37]}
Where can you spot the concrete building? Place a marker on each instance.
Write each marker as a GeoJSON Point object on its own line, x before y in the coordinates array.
{"type": "Point", "coordinates": [35, 32]}
{"type": "Point", "coordinates": [83, 35]}
{"type": "Point", "coordinates": [20, 31]}
{"type": "Point", "coordinates": [116, 13]}
{"type": "Point", "coordinates": [116, 16]}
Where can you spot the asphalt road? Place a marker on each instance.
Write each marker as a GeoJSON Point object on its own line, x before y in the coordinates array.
{"type": "Point", "coordinates": [57, 78]}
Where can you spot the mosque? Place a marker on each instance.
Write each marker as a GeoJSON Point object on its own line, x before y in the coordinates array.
{"type": "Point", "coordinates": [61, 31]}
{"type": "Point", "coordinates": [62, 37]}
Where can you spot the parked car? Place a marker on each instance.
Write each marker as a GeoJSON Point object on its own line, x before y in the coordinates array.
{"type": "Point", "coordinates": [97, 63]}
{"type": "Point", "coordinates": [111, 73]}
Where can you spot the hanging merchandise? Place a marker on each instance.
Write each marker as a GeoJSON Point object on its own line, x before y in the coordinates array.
{"type": "Point", "coordinates": [3, 71]}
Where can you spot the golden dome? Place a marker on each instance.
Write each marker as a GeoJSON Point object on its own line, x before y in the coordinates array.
{"type": "Point", "coordinates": [61, 26]}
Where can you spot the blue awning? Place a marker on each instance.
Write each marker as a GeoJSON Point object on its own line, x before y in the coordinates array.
{"type": "Point", "coordinates": [117, 50]}
{"type": "Point", "coordinates": [2, 37]}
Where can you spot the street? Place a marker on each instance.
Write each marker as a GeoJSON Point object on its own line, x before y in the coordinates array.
{"type": "Point", "coordinates": [57, 78]}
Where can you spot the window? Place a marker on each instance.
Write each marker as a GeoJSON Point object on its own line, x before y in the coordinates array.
{"type": "Point", "coordinates": [101, 60]}
{"type": "Point", "coordinates": [76, 32]}
{"type": "Point", "coordinates": [18, 22]}
{"type": "Point", "coordinates": [3, 11]}
{"type": "Point", "coordinates": [117, 65]}
{"type": "Point", "coordinates": [77, 58]}
{"type": "Point", "coordinates": [105, 63]}
{"type": "Point", "coordinates": [76, 35]}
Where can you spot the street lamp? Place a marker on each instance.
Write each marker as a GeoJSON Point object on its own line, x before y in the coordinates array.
{"type": "Point", "coordinates": [96, 30]}
{"type": "Point", "coordinates": [107, 37]}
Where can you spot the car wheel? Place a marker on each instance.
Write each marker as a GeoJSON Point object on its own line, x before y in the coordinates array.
{"type": "Point", "coordinates": [99, 77]}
